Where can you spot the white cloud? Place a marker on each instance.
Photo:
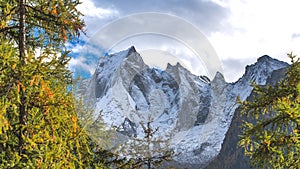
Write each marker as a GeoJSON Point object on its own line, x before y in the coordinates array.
{"type": "Point", "coordinates": [251, 29]}
{"type": "Point", "coordinates": [89, 9]}
{"type": "Point", "coordinates": [95, 17]}
{"type": "Point", "coordinates": [77, 48]}
{"type": "Point", "coordinates": [258, 28]}
{"type": "Point", "coordinates": [76, 64]}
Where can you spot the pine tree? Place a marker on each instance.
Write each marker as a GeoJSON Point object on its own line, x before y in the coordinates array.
{"type": "Point", "coordinates": [40, 23]}
{"type": "Point", "coordinates": [39, 124]}
{"type": "Point", "coordinates": [271, 136]}
{"type": "Point", "coordinates": [150, 151]}
{"type": "Point", "coordinates": [51, 135]}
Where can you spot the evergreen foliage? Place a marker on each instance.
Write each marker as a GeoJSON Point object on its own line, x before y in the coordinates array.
{"type": "Point", "coordinates": [39, 127]}
{"type": "Point", "coordinates": [46, 24]}
{"type": "Point", "coordinates": [271, 135]}
{"type": "Point", "coordinates": [150, 151]}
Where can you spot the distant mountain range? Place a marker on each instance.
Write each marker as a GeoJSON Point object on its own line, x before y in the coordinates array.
{"type": "Point", "coordinates": [200, 115]}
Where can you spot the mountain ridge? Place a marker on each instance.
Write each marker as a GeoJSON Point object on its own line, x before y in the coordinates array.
{"type": "Point", "coordinates": [196, 111]}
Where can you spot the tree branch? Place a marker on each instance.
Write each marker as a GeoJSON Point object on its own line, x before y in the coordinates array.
{"type": "Point", "coordinates": [8, 28]}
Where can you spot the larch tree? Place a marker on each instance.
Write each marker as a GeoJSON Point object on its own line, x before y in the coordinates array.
{"type": "Point", "coordinates": [148, 152]}
{"type": "Point", "coordinates": [271, 135]}
{"type": "Point", "coordinates": [39, 127]}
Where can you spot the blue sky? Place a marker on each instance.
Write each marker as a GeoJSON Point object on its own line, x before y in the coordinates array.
{"type": "Point", "coordinates": [239, 31]}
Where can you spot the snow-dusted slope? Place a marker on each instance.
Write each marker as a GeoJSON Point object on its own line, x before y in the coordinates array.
{"type": "Point", "coordinates": [195, 111]}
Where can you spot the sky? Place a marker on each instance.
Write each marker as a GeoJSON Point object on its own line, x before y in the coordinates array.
{"type": "Point", "coordinates": [240, 31]}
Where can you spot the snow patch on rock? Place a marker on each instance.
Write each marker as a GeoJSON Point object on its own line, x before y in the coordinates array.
{"type": "Point", "coordinates": [195, 111]}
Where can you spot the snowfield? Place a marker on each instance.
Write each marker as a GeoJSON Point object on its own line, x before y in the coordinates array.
{"type": "Point", "coordinates": [193, 110]}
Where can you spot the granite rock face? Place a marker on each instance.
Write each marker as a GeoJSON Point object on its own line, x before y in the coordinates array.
{"type": "Point", "coordinates": [194, 110]}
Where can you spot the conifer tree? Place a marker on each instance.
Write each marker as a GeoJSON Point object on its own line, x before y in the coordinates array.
{"type": "Point", "coordinates": [271, 135]}
{"type": "Point", "coordinates": [39, 127]}
{"type": "Point", "coordinates": [150, 151]}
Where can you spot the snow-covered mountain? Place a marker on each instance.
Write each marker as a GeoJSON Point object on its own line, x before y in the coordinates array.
{"type": "Point", "coordinates": [193, 110]}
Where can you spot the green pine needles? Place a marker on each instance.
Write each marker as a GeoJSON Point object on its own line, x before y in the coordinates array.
{"type": "Point", "coordinates": [270, 136]}
{"type": "Point", "coordinates": [39, 127]}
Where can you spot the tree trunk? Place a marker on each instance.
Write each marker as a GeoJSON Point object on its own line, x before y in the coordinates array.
{"type": "Point", "coordinates": [22, 56]}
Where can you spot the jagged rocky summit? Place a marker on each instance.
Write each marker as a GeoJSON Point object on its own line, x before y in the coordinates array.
{"type": "Point", "coordinates": [194, 110]}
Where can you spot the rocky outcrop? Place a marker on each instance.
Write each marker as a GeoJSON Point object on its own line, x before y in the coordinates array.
{"type": "Point", "coordinates": [193, 110]}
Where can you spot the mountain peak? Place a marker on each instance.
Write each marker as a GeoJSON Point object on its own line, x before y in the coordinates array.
{"type": "Point", "coordinates": [219, 75]}
{"type": "Point", "coordinates": [264, 58]}
{"type": "Point", "coordinates": [218, 82]}
{"type": "Point", "coordinates": [270, 60]}
{"type": "Point", "coordinates": [178, 66]}
{"type": "Point", "coordinates": [262, 69]}
{"type": "Point", "coordinates": [131, 50]}
{"type": "Point", "coordinates": [124, 91]}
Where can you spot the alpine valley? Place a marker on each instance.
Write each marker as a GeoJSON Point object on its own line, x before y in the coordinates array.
{"type": "Point", "coordinates": [199, 115]}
